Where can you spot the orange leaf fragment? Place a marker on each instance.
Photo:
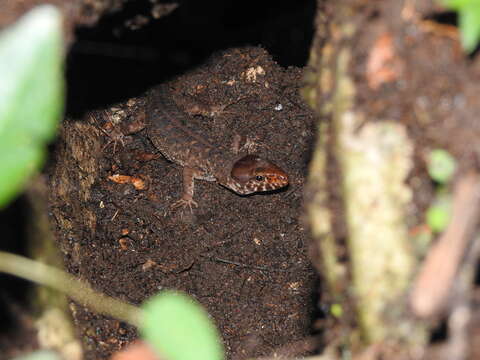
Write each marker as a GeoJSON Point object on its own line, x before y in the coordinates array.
{"type": "Point", "coordinates": [383, 65]}
{"type": "Point", "coordinates": [137, 182]}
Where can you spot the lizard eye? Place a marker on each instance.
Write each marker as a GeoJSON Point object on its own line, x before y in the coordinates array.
{"type": "Point", "coordinates": [259, 178]}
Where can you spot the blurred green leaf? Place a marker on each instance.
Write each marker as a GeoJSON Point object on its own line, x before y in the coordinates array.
{"type": "Point", "coordinates": [441, 166]}
{"type": "Point", "coordinates": [439, 213]}
{"type": "Point", "coordinates": [457, 4]}
{"type": "Point", "coordinates": [180, 329]}
{"type": "Point", "coordinates": [31, 95]}
{"type": "Point", "coordinates": [468, 21]}
{"type": "Point", "coordinates": [336, 310]}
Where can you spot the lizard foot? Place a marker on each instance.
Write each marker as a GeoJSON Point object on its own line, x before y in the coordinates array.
{"type": "Point", "coordinates": [184, 203]}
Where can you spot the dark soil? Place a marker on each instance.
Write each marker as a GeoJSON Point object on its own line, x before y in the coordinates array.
{"type": "Point", "coordinates": [244, 258]}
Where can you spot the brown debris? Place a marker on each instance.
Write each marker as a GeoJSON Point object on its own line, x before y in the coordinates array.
{"type": "Point", "coordinates": [383, 65]}
{"type": "Point", "coordinates": [137, 182]}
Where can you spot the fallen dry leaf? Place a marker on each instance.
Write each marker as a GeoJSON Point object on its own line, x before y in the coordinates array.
{"type": "Point", "coordinates": [137, 182]}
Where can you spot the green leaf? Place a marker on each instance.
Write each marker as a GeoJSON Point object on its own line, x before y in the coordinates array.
{"type": "Point", "coordinates": [439, 213]}
{"type": "Point", "coordinates": [469, 22]}
{"type": "Point", "coordinates": [336, 310]}
{"type": "Point", "coordinates": [456, 4]}
{"type": "Point", "coordinates": [31, 95]}
{"type": "Point", "coordinates": [179, 328]}
{"type": "Point", "coordinates": [441, 166]}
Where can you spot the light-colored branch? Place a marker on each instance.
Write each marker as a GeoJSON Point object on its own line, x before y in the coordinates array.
{"type": "Point", "coordinates": [78, 290]}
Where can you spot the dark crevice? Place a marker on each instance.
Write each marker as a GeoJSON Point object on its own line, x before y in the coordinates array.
{"type": "Point", "coordinates": [14, 297]}
{"type": "Point", "coordinates": [445, 18]}
{"type": "Point", "coordinates": [110, 62]}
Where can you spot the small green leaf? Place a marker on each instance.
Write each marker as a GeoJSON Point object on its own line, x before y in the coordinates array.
{"type": "Point", "coordinates": [469, 23]}
{"type": "Point", "coordinates": [31, 95]}
{"type": "Point", "coordinates": [180, 329]}
{"type": "Point", "coordinates": [456, 4]}
{"type": "Point", "coordinates": [441, 166]}
{"type": "Point", "coordinates": [439, 213]}
{"type": "Point", "coordinates": [336, 310]}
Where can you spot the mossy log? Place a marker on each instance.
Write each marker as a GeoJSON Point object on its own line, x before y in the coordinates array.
{"type": "Point", "coordinates": [357, 198]}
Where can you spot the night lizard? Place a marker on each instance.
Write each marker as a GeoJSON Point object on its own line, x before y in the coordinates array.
{"type": "Point", "coordinates": [200, 159]}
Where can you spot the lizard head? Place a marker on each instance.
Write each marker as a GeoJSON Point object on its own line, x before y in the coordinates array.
{"type": "Point", "coordinates": [253, 174]}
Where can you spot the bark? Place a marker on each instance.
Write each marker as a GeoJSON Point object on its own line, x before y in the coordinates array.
{"type": "Point", "coordinates": [358, 172]}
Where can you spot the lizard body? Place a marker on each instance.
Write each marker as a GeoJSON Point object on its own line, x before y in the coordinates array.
{"type": "Point", "coordinates": [200, 159]}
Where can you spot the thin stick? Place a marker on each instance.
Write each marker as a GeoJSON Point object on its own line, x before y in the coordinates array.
{"type": "Point", "coordinates": [458, 346]}
{"type": "Point", "coordinates": [434, 282]}
{"type": "Point", "coordinates": [261, 268]}
{"type": "Point", "coordinates": [76, 289]}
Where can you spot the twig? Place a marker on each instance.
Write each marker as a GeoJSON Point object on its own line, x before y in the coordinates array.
{"type": "Point", "coordinates": [459, 319]}
{"type": "Point", "coordinates": [434, 282]}
{"type": "Point", "coordinates": [261, 268]}
{"type": "Point", "coordinates": [78, 290]}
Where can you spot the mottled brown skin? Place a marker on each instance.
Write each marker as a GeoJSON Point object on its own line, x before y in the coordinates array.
{"type": "Point", "coordinates": [242, 173]}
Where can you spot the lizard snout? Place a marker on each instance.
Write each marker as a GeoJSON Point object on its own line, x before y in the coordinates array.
{"type": "Point", "coordinates": [254, 174]}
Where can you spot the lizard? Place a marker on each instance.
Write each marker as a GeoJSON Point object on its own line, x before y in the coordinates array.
{"type": "Point", "coordinates": [242, 173]}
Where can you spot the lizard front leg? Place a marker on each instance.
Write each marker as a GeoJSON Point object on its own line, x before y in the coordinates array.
{"type": "Point", "coordinates": [189, 175]}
